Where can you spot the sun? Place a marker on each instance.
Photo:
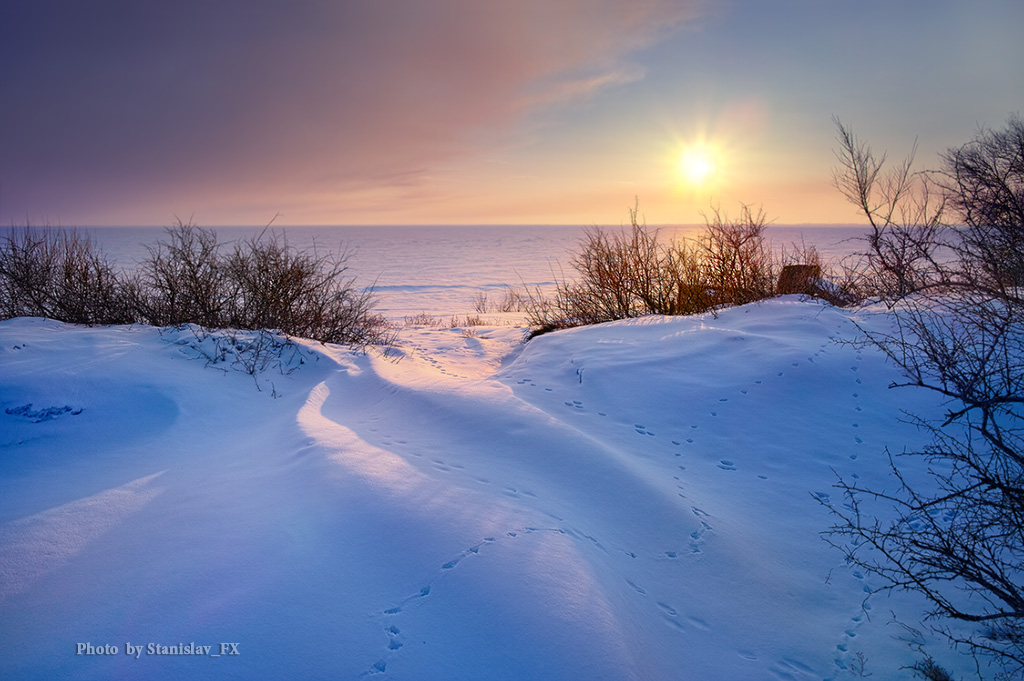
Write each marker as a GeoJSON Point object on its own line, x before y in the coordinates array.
{"type": "Point", "coordinates": [696, 165]}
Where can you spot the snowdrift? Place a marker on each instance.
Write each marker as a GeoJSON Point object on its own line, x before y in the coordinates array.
{"type": "Point", "coordinates": [635, 500]}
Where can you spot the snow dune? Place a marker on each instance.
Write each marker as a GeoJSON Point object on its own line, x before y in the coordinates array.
{"type": "Point", "coordinates": [634, 500]}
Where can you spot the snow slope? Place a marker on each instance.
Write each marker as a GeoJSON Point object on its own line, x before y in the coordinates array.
{"type": "Point", "coordinates": [634, 500]}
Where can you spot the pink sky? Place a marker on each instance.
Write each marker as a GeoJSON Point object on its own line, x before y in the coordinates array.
{"type": "Point", "coordinates": [462, 112]}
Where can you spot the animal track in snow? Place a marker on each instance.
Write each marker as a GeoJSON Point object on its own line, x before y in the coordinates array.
{"type": "Point", "coordinates": [422, 593]}
{"type": "Point", "coordinates": [698, 623]}
{"type": "Point", "coordinates": [639, 589]}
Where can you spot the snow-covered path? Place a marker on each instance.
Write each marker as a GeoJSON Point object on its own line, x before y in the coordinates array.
{"type": "Point", "coordinates": [629, 501]}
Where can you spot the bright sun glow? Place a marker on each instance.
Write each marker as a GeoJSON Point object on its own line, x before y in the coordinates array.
{"type": "Point", "coordinates": [696, 165]}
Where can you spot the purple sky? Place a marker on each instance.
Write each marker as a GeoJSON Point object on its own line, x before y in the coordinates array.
{"type": "Point", "coordinates": [438, 112]}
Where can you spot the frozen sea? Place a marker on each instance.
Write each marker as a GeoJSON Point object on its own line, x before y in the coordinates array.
{"type": "Point", "coordinates": [441, 270]}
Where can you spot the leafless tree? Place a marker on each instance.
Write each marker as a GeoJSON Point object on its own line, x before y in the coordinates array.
{"type": "Point", "coordinates": [984, 180]}
{"type": "Point", "coordinates": [956, 534]}
{"type": "Point", "coordinates": [904, 210]}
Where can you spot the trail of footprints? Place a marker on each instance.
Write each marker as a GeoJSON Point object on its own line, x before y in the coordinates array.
{"type": "Point", "coordinates": [391, 629]}
{"type": "Point", "coordinates": [672, 616]}
{"type": "Point", "coordinates": [846, 653]}
{"type": "Point", "coordinates": [730, 465]}
{"type": "Point", "coordinates": [784, 669]}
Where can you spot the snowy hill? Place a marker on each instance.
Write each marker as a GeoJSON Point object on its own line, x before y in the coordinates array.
{"type": "Point", "coordinates": [634, 500]}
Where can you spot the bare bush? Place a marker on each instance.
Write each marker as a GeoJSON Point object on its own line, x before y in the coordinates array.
{"type": "Point", "coordinates": [633, 272]}
{"type": "Point", "coordinates": [512, 300]}
{"type": "Point", "coordinates": [736, 257]}
{"type": "Point", "coordinates": [255, 352]}
{"type": "Point", "coordinates": [421, 319]}
{"type": "Point", "coordinates": [189, 278]}
{"type": "Point", "coordinates": [303, 293]}
{"type": "Point", "coordinates": [466, 321]}
{"type": "Point", "coordinates": [184, 280]}
{"type": "Point", "coordinates": [61, 274]}
{"type": "Point", "coordinates": [930, 670]}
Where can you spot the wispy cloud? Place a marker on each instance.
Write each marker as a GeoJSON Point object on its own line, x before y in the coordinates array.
{"type": "Point", "coordinates": [118, 106]}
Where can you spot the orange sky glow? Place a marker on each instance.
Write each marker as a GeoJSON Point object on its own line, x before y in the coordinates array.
{"type": "Point", "coordinates": [460, 112]}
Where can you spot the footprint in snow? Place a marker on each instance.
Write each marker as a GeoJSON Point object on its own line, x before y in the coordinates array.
{"type": "Point", "coordinates": [639, 589]}
{"type": "Point", "coordinates": [423, 593]}
{"type": "Point", "coordinates": [726, 465]}
{"type": "Point", "coordinates": [698, 623]}
{"type": "Point", "coordinates": [392, 633]}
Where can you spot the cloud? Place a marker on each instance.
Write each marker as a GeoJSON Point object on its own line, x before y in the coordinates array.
{"type": "Point", "coordinates": [120, 105]}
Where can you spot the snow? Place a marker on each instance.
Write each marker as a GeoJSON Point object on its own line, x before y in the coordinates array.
{"type": "Point", "coordinates": [635, 500]}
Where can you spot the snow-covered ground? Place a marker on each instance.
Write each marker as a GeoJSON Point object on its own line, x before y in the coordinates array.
{"type": "Point", "coordinates": [635, 500]}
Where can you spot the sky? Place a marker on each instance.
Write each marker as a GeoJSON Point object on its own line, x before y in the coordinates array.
{"type": "Point", "coordinates": [239, 112]}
